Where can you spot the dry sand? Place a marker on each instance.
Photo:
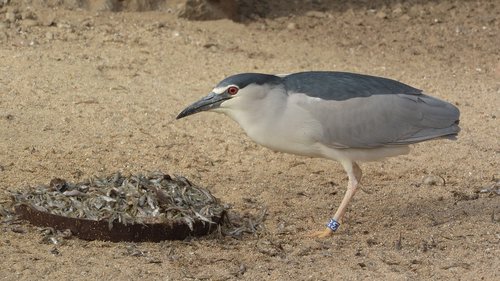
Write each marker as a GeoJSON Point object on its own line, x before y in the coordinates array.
{"type": "Point", "coordinates": [89, 93]}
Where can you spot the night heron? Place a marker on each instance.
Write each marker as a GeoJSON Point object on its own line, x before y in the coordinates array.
{"type": "Point", "coordinates": [341, 116]}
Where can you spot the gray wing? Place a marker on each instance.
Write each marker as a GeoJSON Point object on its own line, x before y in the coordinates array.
{"type": "Point", "coordinates": [380, 119]}
{"type": "Point", "coordinates": [343, 85]}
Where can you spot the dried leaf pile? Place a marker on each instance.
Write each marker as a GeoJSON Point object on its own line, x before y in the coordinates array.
{"type": "Point", "coordinates": [155, 198]}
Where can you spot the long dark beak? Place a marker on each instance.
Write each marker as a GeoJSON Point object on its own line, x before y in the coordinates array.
{"type": "Point", "coordinates": [211, 101]}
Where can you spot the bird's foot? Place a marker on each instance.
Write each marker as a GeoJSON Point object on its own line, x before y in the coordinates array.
{"type": "Point", "coordinates": [321, 234]}
{"type": "Point", "coordinates": [331, 227]}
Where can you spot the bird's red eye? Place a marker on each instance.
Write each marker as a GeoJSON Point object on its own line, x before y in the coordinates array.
{"type": "Point", "coordinates": [232, 90]}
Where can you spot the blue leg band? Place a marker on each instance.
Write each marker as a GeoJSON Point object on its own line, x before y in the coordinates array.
{"type": "Point", "coordinates": [333, 225]}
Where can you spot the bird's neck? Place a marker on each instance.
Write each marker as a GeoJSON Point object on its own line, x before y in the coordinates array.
{"type": "Point", "coordinates": [257, 116]}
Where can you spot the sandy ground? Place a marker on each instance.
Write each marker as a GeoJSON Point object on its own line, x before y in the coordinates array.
{"type": "Point", "coordinates": [90, 93]}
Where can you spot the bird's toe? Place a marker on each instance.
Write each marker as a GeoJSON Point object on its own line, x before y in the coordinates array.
{"type": "Point", "coordinates": [321, 234]}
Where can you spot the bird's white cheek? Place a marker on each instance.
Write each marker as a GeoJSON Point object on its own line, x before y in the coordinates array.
{"type": "Point", "coordinates": [229, 107]}
{"type": "Point", "coordinates": [230, 103]}
{"type": "Point", "coordinates": [219, 110]}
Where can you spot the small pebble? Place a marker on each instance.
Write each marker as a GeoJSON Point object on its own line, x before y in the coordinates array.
{"type": "Point", "coordinates": [415, 11]}
{"type": "Point", "coordinates": [433, 180]}
{"type": "Point", "coordinates": [63, 25]}
{"type": "Point", "coordinates": [47, 20]}
{"type": "Point", "coordinates": [397, 11]}
{"type": "Point", "coordinates": [10, 17]}
{"type": "Point", "coordinates": [291, 26]}
{"type": "Point", "coordinates": [381, 15]}
{"type": "Point", "coordinates": [28, 15]}
{"type": "Point", "coordinates": [316, 14]}
{"type": "Point", "coordinates": [29, 23]}
{"type": "Point", "coordinates": [405, 17]}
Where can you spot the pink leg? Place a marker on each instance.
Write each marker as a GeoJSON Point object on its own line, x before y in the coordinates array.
{"type": "Point", "coordinates": [354, 173]}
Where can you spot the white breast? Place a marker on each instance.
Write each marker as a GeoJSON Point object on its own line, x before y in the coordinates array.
{"type": "Point", "coordinates": [275, 121]}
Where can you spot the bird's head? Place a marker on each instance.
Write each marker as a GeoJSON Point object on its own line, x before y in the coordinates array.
{"type": "Point", "coordinates": [234, 92]}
